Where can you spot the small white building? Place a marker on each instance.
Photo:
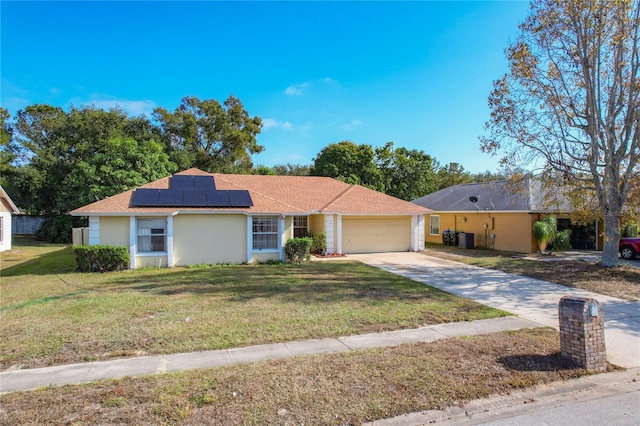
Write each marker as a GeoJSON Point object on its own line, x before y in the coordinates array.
{"type": "Point", "coordinates": [7, 208]}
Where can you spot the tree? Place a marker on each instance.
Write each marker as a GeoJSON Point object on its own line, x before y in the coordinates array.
{"type": "Point", "coordinates": [119, 165]}
{"type": "Point", "coordinates": [211, 136]}
{"type": "Point", "coordinates": [349, 163]}
{"type": "Point", "coordinates": [571, 102]}
{"type": "Point", "coordinates": [7, 156]}
{"type": "Point", "coordinates": [488, 176]}
{"type": "Point", "coordinates": [292, 169]}
{"type": "Point", "coordinates": [68, 159]}
{"type": "Point", "coordinates": [451, 174]}
{"type": "Point", "coordinates": [406, 174]}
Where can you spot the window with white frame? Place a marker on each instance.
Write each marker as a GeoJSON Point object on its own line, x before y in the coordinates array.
{"type": "Point", "coordinates": [300, 226]}
{"type": "Point", "coordinates": [265, 233]}
{"type": "Point", "coordinates": [434, 225]}
{"type": "Point", "coordinates": [152, 235]}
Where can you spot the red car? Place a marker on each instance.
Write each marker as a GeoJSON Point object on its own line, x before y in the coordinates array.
{"type": "Point", "coordinates": [629, 247]}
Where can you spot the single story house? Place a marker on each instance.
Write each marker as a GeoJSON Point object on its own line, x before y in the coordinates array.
{"type": "Point", "coordinates": [195, 217]}
{"type": "Point", "coordinates": [7, 209]}
{"type": "Point", "coordinates": [501, 215]}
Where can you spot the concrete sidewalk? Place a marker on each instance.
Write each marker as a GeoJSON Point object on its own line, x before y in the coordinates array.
{"type": "Point", "coordinates": [527, 298]}
{"type": "Point", "coordinates": [14, 380]}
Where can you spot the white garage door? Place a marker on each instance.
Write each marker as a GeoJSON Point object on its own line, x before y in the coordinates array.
{"type": "Point", "coordinates": [371, 235]}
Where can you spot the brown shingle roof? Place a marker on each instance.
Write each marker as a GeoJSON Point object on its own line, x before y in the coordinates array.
{"type": "Point", "coordinates": [271, 195]}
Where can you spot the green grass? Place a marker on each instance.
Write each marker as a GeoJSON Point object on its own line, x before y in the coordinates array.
{"type": "Point", "coordinates": [51, 315]}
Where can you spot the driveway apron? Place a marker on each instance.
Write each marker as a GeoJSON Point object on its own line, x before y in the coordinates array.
{"type": "Point", "coordinates": [531, 299]}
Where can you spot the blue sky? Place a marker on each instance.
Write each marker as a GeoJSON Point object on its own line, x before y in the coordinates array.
{"type": "Point", "coordinates": [415, 73]}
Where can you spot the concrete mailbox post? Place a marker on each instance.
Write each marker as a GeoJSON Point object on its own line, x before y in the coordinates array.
{"type": "Point", "coordinates": [582, 332]}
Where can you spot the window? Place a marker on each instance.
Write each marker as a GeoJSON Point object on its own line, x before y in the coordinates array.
{"type": "Point", "coordinates": [434, 225]}
{"type": "Point", "coordinates": [265, 233]}
{"type": "Point", "coordinates": [300, 227]}
{"type": "Point", "coordinates": [152, 235]}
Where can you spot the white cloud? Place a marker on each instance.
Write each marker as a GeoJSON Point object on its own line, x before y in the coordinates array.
{"type": "Point", "coordinates": [270, 123]}
{"type": "Point", "coordinates": [132, 107]}
{"type": "Point", "coordinates": [296, 89]}
{"type": "Point", "coordinates": [299, 89]}
{"type": "Point", "coordinates": [352, 126]}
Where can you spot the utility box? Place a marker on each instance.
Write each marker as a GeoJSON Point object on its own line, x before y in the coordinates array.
{"type": "Point", "coordinates": [582, 332]}
{"type": "Point", "coordinates": [465, 240]}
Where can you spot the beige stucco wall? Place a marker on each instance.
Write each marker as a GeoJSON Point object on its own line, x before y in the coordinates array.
{"type": "Point", "coordinates": [512, 230]}
{"type": "Point", "coordinates": [114, 231]}
{"type": "Point", "coordinates": [288, 228]}
{"type": "Point", "coordinates": [316, 223]}
{"type": "Point", "coordinates": [264, 256]}
{"type": "Point", "coordinates": [209, 239]}
{"type": "Point", "coordinates": [151, 261]}
{"type": "Point", "coordinates": [361, 234]}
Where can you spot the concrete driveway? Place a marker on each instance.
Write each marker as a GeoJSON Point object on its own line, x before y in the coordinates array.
{"type": "Point", "coordinates": [528, 298]}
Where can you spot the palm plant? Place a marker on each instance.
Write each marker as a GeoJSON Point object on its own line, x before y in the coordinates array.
{"type": "Point", "coordinates": [546, 231]}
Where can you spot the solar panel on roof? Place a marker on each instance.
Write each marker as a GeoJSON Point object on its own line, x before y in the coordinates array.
{"type": "Point", "coordinates": [203, 182]}
{"type": "Point", "coordinates": [170, 198]}
{"type": "Point", "coordinates": [191, 191]}
{"type": "Point", "coordinates": [144, 197]}
{"type": "Point", "coordinates": [240, 198]}
{"type": "Point", "coordinates": [181, 182]}
{"type": "Point", "coordinates": [217, 199]}
{"type": "Point", "coordinates": [194, 198]}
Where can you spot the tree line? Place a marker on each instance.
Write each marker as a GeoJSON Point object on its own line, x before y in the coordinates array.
{"type": "Point", "coordinates": [54, 160]}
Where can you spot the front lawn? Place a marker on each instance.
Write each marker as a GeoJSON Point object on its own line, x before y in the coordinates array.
{"type": "Point", "coordinates": [52, 315]}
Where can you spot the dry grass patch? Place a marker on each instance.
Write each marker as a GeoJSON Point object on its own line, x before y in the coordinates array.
{"type": "Point", "coordinates": [621, 281]}
{"type": "Point", "coordinates": [344, 388]}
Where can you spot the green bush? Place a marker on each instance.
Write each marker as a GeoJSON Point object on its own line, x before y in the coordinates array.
{"type": "Point", "coordinates": [101, 258]}
{"type": "Point", "coordinates": [297, 250]}
{"type": "Point", "coordinates": [55, 229]}
{"type": "Point", "coordinates": [319, 244]}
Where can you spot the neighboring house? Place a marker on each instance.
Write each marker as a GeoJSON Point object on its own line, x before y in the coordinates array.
{"type": "Point", "coordinates": [196, 217]}
{"type": "Point", "coordinates": [7, 208]}
{"type": "Point", "coordinates": [501, 215]}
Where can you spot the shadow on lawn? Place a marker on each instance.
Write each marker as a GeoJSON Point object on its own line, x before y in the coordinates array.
{"type": "Point", "coordinates": [552, 362]}
{"type": "Point", "coordinates": [59, 261]}
{"type": "Point", "coordinates": [305, 284]}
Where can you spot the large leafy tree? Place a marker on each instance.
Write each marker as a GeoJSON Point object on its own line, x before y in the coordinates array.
{"type": "Point", "coordinates": [451, 174]}
{"type": "Point", "coordinates": [570, 102]}
{"type": "Point", "coordinates": [209, 135]}
{"type": "Point", "coordinates": [407, 174]}
{"type": "Point", "coordinates": [68, 159]}
{"type": "Point", "coordinates": [348, 162]}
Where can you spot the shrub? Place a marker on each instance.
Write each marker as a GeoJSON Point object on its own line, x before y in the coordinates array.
{"type": "Point", "coordinates": [55, 229]}
{"type": "Point", "coordinates": [319, 243]}
{"type": "Point", "coordinates": [101, 258]}
{"type": "Point", "coordinates": [297, 250]}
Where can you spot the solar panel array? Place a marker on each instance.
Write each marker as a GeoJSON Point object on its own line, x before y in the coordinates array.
{"type": "Point", "coordinates": [191, 191]}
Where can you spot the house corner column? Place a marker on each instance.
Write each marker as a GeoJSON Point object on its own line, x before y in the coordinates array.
{"type": "Point", "coordinates": [132, 242]}
{"type": "Point", "coordinates": [170, 241]}
{"type": "Point", "coordinates": [330, 231]}
{"type": "Point", "coordinates": [339, 234]}
{"type": "Point", "coordinates": [281, 236]}
{"type": "Point", "coordinates": [249, 238]}
{"type": "Point", "coordinates": [94, 230]}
